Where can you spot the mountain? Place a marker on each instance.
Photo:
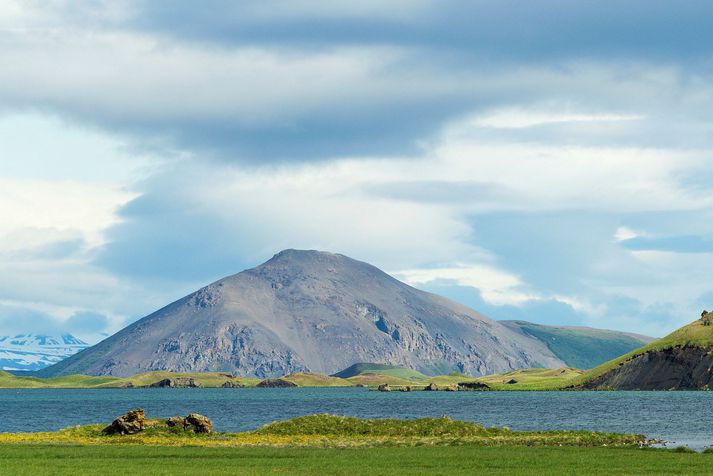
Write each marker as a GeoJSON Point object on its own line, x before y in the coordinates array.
{"type": "Point", "coordinates": [310, 311]}
{"type": "Point", "coordinates": [680, 361]}
{"type": "Point", "coordinates": [581, 347]}
{"type": "Point", "coordinates": [29, 352]}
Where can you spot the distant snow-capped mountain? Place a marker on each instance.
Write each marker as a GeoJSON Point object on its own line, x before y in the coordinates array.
{"type": "Point", "coordinates": [36, 351]}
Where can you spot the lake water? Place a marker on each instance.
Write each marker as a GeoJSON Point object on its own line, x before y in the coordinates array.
{"type": "Point", "coordinates": [681, 418]}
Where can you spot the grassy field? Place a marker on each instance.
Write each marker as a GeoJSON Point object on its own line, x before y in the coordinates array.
{"type": "Point", "coordinates": [159, 460]}
{"type": "Point", "coordinates": [325, 444]}
{"type": "Point", "coordinates": [207, 379]}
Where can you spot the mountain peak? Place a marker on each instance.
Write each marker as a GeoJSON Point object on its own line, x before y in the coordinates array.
{"type": "Point", "coordinates": [310, 311]}
{"type": "Point", "coordinates": [292, 255]}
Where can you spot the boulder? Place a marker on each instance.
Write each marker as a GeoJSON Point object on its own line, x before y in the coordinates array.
{"type": "Point", "coordinates": [451, 388]}
{"type": "Point", "coordinates": [128, 424]}
{"type": "Point", "coordinates": [198, 423]}
{"type": "Point", "coordinates": [431, 387]}
{"type": "Point", "coordinates": [231, 384]}
{"type": "Point", "coordinates": [276, 383]}
{"type": "Point", "coordinates": [384, 387]}
{"type": "Point", "coordinates": [406, 388]}
{"type": "Point", "coordinates": [176, 421]}
{"type": "Point", "coordinates": [473, 386]}
{"type": "Point", "coordinates": [707, 318]}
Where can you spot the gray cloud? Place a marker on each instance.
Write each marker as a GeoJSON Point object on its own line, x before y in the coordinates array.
{"type": "Point", "coordinates": [276, 81]}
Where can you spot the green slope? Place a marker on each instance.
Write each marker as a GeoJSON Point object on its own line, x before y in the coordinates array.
{"type": "Point", "coordinates": [581, 347]}
{"type": "Point", "coordinates": [695, 334]}
{"type": "Point", "coordinates": [381, 369]}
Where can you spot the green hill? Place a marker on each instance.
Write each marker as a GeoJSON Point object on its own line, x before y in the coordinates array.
{"type": "Point", "coordinates": [581, 347]}
{"type": "Point", "coordinates": [680, 360]}
{"type": "Point", "coordinates": [381, 369]}
{"type": "Point", "coordinates": [309, 379]}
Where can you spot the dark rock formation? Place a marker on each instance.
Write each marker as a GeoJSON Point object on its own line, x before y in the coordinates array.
{"type": "Point", "coordinates": [431, 387]}
{"type": "Point", "coordinates": [198, 423]}
{"type": "Point", "coordinates": [178, 382]}
{"type": "Point", "coordinates": [232, 384]}
{"type": "Point", "coordinates": [176, 422]}
{"type": "Point", "coordinates": [276, 383]}
{"type": "Point", "coordinates": [473, 386]}
{"type": "Point", "coordinates": [676, 368]}
{"type": "Point", "coordinates": [405, 388]}
{"type": "Point", "coordinates": [128, 424]}
{"type": "Point", "coordinates": [511, 381]}
{"type": "Point", "coordinates": [194, 422]}
{"type": "Point", "coordinates": [310, 311]}
{"type": "Point", "coordinates": [384, 387]}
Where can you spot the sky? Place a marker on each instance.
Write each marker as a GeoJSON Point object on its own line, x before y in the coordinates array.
{"type": "Point", "coordinates": [543, 160]}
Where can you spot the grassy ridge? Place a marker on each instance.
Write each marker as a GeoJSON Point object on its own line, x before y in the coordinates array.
{"type": "Point", "coordinates": [694, 334]}
{"type": "Point", "coordinates": [530, 379]}
{"type": "Point", "coordinates": [333, 431]}
{"type": "Point", "coordinates": [208, 379]}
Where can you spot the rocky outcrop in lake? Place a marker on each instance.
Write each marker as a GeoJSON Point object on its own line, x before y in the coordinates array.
{"type": "Point", "coordinates": [276, 383]}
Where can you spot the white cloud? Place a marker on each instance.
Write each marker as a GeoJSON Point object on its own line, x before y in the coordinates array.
{"type": "Point", "coordinates": [624, 233]}
{"type": "Point", "coordinates": [496, 286]}
{"type": "Point", "coordinates": [44, 211]}
{"type": "Point", "coordinates": [510, 118]}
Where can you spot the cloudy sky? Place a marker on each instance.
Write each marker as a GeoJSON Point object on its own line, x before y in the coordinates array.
{"type": "Point", "coordinates": [542, 160]}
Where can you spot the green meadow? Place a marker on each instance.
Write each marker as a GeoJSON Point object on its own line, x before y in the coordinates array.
{"type": "Point", "coordinates": [325, 444]}
{"type": "Point", "coordinates": [38, 460]}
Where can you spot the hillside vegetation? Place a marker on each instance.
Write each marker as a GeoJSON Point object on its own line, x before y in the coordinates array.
{"type": "Point", "coordinates": [694, 335]}
{"type": "Point", "coordinates": [529, 379]}
{"type": "Point", "coordinates": [381, 369]}
{"type": "Point", "coordinates": [333, 431]}
{"type": "Point", "coordinates": [581, 347]}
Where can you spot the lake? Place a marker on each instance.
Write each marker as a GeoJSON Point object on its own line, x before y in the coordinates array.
{"type": "Point", "coordinates": [681, 418]}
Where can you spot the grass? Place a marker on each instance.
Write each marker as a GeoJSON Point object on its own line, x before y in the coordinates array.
{"type": "Point", "coordinates": [374, 379]}
{"type": "Point", "coordinates": [208, 379]}
{"type": "Point", "coordinates": [333, 431]}
{"type": "Point", "coordinates": [120, 460]}
{"type": "Point", "coordinates": [381, 369]}
{"type": "Point", "coordinates": [694, 334]}
{"type": "Point", "coordinates": [530, 379]}
{"type": "Point", "coordinates": [326, 444]}
{"type": "Point", "coordinates": [306, 379]}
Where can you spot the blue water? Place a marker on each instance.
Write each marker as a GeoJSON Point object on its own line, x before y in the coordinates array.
{"type": "Point", "coordinates": [681, 418]}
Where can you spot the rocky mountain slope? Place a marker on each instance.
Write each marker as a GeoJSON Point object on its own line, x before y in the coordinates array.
{"type": "Point", "coordinates": [680, 361]}
{"type": "Point", "coordinates": [310, 311]}
{"type": "Point", "coordinates": [29, 352]}
{"type": "Point", "coordinates": [581, 347]}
